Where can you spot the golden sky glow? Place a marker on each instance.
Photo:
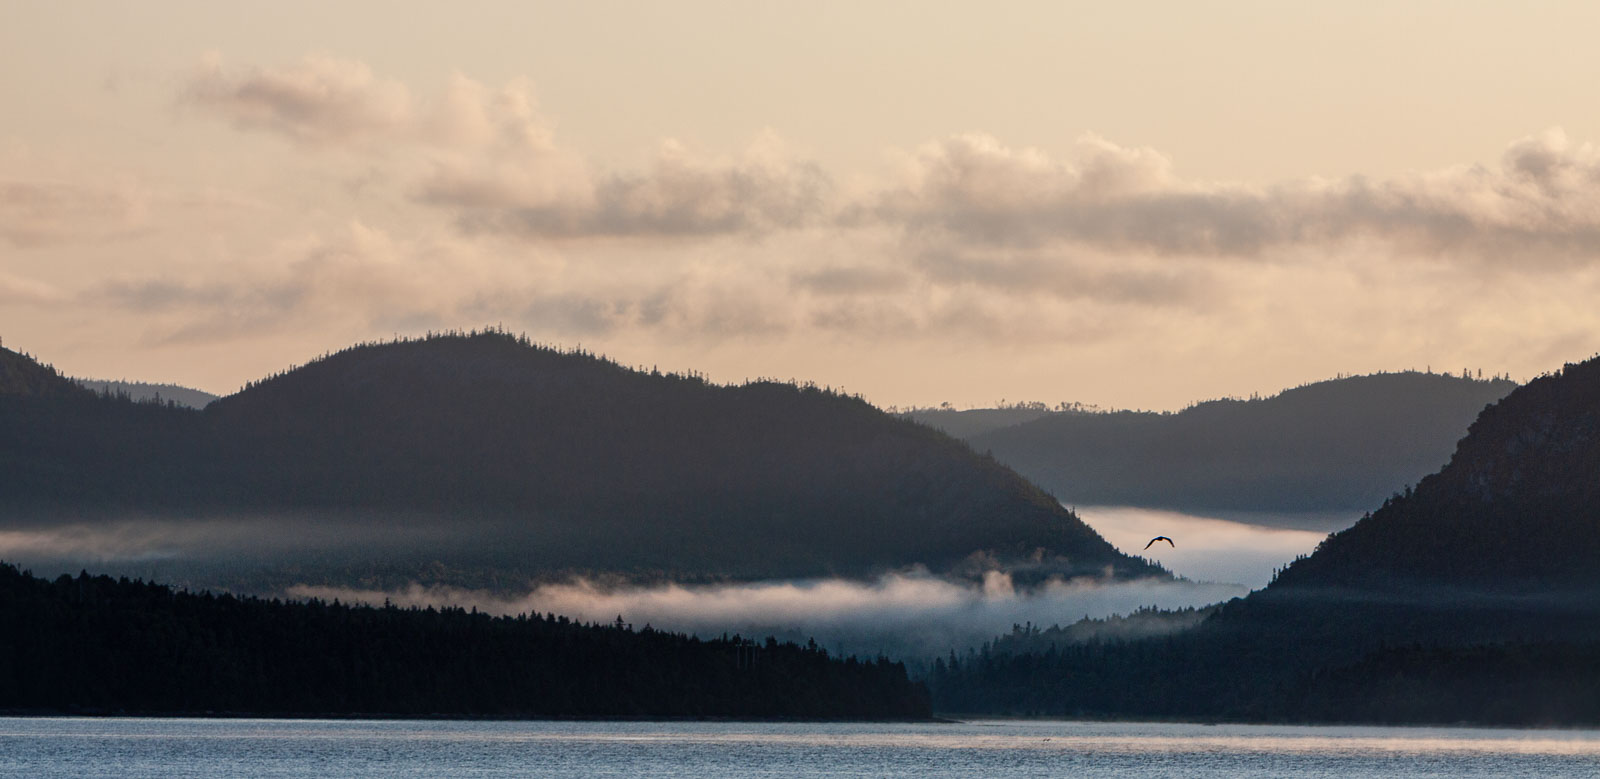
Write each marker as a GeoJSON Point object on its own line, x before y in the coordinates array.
{"type": "Point", "coordinates": [1132, 205]}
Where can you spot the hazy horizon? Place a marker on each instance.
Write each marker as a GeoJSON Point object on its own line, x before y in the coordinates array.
{"type": "Point", "coordinates": [1136, 206]}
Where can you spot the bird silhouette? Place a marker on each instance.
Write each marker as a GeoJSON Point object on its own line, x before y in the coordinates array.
{"type": "Point", "coordinates": [1160, 538]}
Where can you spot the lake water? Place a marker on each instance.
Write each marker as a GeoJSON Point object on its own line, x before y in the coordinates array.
{"type": "Point", "coordinates": [80, 747]}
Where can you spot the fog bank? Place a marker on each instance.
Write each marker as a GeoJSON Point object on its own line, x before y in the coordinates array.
{"type": "Point", "coordinates": [904, 614]}
{"type": "Point", "coordinates": [1204, 548]}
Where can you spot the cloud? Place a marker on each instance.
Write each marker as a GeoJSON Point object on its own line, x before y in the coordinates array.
{"type": "Point", "coordinates": [680, 195]}
{"type": "Point", "coordinates": [970, 242]}
{"type": "Point", "coordinates": [164, 294]}
{"type": "Point", "coordinates": [486, 157]}
{"type": "Point", "coordinates": [357, 273]}
{"type": "Point", "coordinates": [41, 213]}
{"type": "Point", "coordinates": [1542, 203]}
{"type": "Point", "coordinates": [851, 280]}
{"type": "Point", "coordinates": [493, 161]}
{"type": "Point", "coordinates": [16, 290]}
{"type": "Point", "coordinates": [1069, 278]}
{"type": "Point", "coordinates": [318, 101]}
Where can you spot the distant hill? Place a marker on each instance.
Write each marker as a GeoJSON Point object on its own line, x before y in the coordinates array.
{"type": "Point", "coordinates": [1474, 597]}
{"type": "Point", "coordinates": [1517, 507]}
{"type": "Point", "coordinates": [1339, 445]}
{"type": "Point", "coordinates": [971, 422]}
{"type": "Point", "coordinates": [97, 645]}
{"type": "Point", "coordinates": [140, 391]}
{"type": "Point", "coordinates": [463, 455]}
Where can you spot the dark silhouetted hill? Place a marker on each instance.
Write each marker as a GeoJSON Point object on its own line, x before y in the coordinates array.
{"type": "Point", "coordinates": [22, 376]}
{"type": "Point", "coordinates": [1473, 597]}
{"type": "Point", "coordinates": [483, 452]}
{"type": "Point", "coordinates": [1340, 445]}
{"type": "Point", "coordinates": [139, 391]}
{"type": "Point", "coordinates": [1517, 507]}
{"type": "Point", "coordinates": [93, 644]}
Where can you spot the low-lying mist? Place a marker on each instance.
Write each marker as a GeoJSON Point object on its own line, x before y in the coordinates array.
{"type": "Point", "coordinates": [1206, 548]}
{"type": "Point", "coordinates": [903, 615]}
{"type": "Point", "coordinates": [907, 614]}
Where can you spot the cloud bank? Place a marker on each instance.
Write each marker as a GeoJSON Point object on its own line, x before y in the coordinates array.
{"type": "Point", "coordinates": [495, 163]}
{"type": "Point", "coordinates": [371, 206]}
{"type": "Point", "coordinates": [45, 213]}
{"type": "Point", "coordinates": [903, 614]}
{"type": "Point", "coordinates": [1209, 548]}
{"type": "Point", "coordinates": [1542, 203]}
{"type": "Point", "coordinates": [318, 101]}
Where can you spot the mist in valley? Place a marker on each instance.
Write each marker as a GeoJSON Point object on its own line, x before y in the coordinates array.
{"type": "Point", "coordinates": [903, 615]}
{"type": "Point", "coordinates": [910, 613]}
{"type": "Point", "coordinates": [1209, 548]}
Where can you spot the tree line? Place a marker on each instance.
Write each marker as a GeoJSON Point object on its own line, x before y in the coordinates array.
{"type": "Point", "coordinates": [94, 644]}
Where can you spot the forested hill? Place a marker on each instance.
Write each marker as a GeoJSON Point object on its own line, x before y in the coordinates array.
{"type": "Point", "coordinates": [1517, 507]}
{"type": "Point", "coordinates": [93, 644]}
{"type": "Point", "coordinates": [1472, 598]}
{"type": "Point", "coordinates": [496, 454]}
{"type": "Point", "coordinates": [22, 376]}
{"type": "Point", "coordinates": [1339, 445]}
{"type": "Point", "coordinates": [145, 392]}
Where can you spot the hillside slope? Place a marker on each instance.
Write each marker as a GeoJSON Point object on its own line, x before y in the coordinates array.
{"type": "Point", "coordinates": [1517, 507]}
{"type": "Point", "coordinates": [486, 453]}
{"type": "Point", "coordinates": [139, 391]}
{"type": "Point", "coordinates": [1339, 445]}
{"type": "Point", "coordinates": [22, 376]}
{"type": "Point", "coordinates": [1474, 597]}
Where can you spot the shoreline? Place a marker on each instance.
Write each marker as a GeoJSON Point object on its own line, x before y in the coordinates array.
{"type": "Point", "coordinates": [435, 717]}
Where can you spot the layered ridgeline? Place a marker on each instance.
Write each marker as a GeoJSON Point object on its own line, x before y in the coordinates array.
{"type": "Point", "coordinates": [154, 393]}
{"type": "Point", "coordinates": [1517, 508]}
{"type": "Point", "coordinates": [93, 644]}
{"type": "Point", "coordinates": [1332, 446]}
{"type": "Point", "coordinates": [480, 460]}
{"type": "Point", "coordinates": [972, 422]}
{"type": "Point", "coordinates": [1473, 597]}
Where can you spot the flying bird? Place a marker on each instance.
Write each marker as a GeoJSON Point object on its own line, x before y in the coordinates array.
{"type": "Point", "coordinates": [1160, 538]}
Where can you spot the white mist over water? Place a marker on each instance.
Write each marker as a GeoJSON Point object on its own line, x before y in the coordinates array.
{"type": "Point", "coordinates": [900, 614]}
{"type": "Point", "coordinates": [1204, 548]}
{"type": "Point", "coordinates": [904, 614]}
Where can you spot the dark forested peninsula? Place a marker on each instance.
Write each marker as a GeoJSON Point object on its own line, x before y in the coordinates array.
{"type": "Point", "coordinates": [482, 459]}
{"type": "Point", "coordinates": [97, 645]}
{"type": "Point", "coordinates": [1333, 446]}
{"type": "Point", "coordinates": [1473, 597]}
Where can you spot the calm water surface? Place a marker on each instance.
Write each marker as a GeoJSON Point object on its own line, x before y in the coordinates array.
{"type": "Point", "coordinates": [51, 747]}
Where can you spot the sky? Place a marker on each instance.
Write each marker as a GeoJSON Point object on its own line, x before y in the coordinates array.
{"type": "Point", "coordinates": [1131, 205]}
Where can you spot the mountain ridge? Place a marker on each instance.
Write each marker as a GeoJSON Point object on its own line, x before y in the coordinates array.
{"type": "Point", "coordinates": [544, 460]}
{"type": "Point", "coordinates": [1517, 506]}
{"type": "Point", "coordinates": [140, 391]}
{"type": "Point", "coordinates": [1340, 445]}
{"type": "Point", "coordinates": [1472, 596]}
